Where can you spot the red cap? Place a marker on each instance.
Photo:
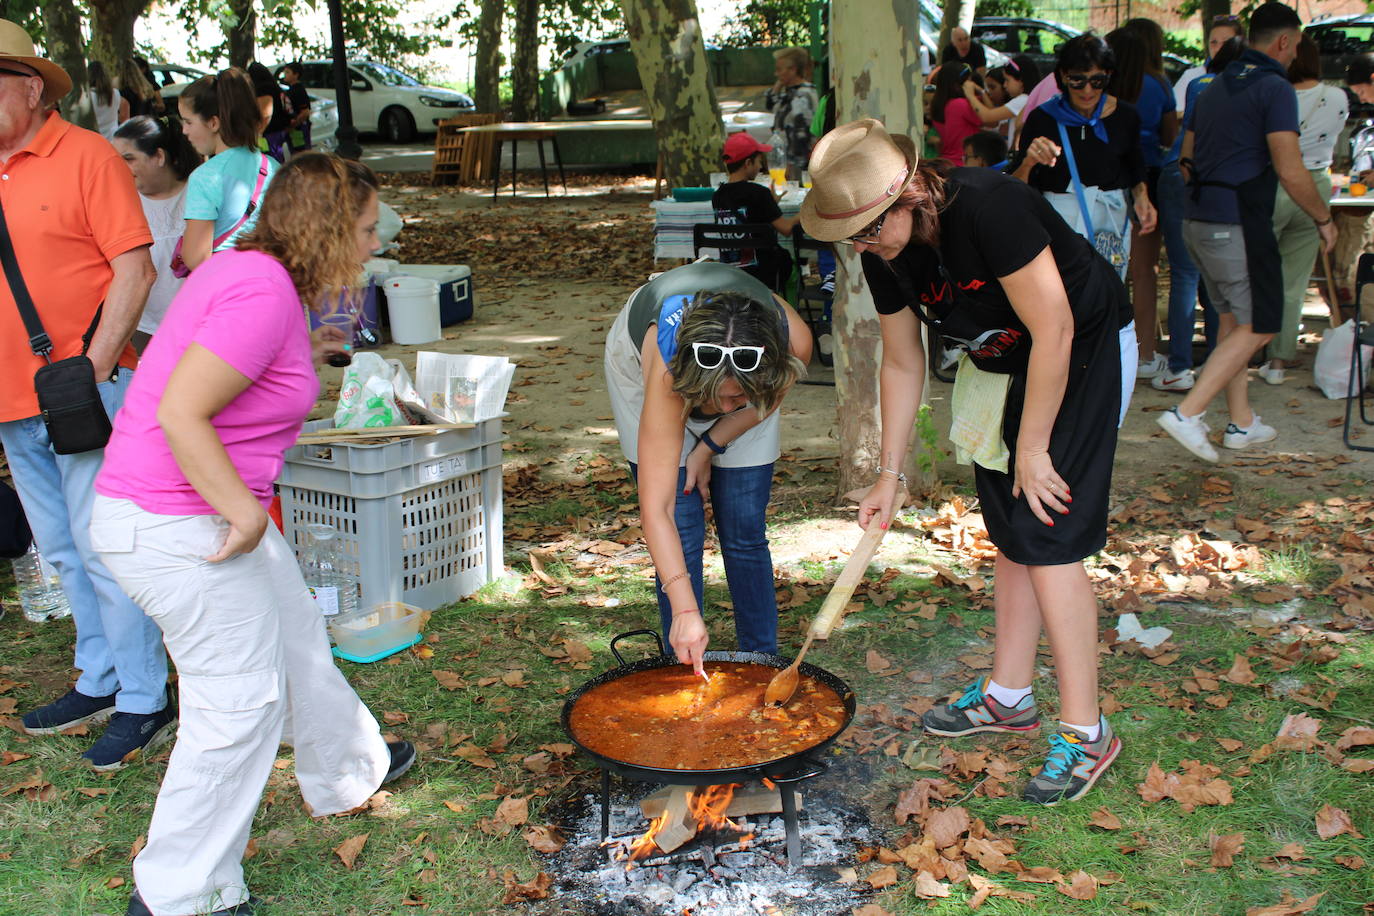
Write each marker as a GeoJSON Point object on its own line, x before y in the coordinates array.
{"type": "Point", "coordinates": [741, 146]}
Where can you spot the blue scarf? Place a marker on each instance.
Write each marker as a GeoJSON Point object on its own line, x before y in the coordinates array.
{"type": "Point", "coordinates": [1060, 109]}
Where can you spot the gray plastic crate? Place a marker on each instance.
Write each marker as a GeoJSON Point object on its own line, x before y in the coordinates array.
{"type": "Point", "coordinates": [419, 519]}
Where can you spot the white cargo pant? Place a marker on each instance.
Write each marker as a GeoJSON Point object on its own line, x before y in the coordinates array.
{"type": "Point", "coordinates": [255, 671]}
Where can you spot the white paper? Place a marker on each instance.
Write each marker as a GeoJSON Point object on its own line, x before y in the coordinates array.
{"type": "Point", "coordinates": [1128, 627]}
{"type": "Point", "coordinates": [461, 388]}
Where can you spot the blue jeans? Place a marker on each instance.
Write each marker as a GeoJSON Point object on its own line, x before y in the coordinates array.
{"type": "Point", "coordinates": [118, 648]}
{"type": "Point", "coordinates": [739, 499]}
{"type": "Point", "coordinates": [1185, 287]}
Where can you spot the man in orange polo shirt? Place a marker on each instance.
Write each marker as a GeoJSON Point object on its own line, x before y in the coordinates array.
{"type": "Point", "coordinates": [81, 241]}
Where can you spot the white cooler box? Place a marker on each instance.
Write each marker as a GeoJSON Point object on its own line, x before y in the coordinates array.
{"type": "Point", "coordinates": [455, 288]}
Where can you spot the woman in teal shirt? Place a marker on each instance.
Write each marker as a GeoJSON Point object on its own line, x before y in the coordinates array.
{"type": "Point", "coordinates": [220, 116]}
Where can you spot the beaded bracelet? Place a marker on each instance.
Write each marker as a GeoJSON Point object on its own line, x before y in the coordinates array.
{"type": "Point", "coordinates": [671, 579]}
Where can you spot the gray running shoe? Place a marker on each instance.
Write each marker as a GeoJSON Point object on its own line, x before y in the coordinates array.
{"type": "Point", "coordinates": [976, 712]}
{"type": "Point", "coordinates": [1073, 766]}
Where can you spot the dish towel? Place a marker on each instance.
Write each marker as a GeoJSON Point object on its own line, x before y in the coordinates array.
{"type": "Point", "coordinates": [978, 404]}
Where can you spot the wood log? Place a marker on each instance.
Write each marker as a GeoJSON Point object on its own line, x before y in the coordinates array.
{"type": "Point", "coordinates": [752, 799]}
{"type": "Point", "coordinates": [679, 826]}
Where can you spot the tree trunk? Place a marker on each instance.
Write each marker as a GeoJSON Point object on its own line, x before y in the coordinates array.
{"type": "Point", "coordinates": [242, 34]}
{"type": "Point", "coordinates": [62, 37]}
{"type": "Point", "coordinates": [958, 13]}
{"type": "Point", "coordinates": [525, 69]}
{"type": "Point", "coordinates": [487, 76]}
{"type": "Point", "coordinates": [112, 30]}
{"type": "Point", "coordinates": [671, 57]}
{"type": "Point", "coordinates": [875, 67]}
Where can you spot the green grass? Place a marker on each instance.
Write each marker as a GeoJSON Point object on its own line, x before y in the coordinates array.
{"type": "Point", "coordinates": [1298, 564]}
{"type": "Point", "coordinates": [419, 849]}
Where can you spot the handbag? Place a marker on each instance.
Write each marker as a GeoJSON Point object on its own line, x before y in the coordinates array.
{"type": "Point", "coordinates": [68, 398]}
{"type": "Point", "coordinates": [179, 268]}
{"type": "Point", "coordinates": [1111, 245]}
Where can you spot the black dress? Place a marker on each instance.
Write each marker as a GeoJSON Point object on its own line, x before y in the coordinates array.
{"type": "Point", "coordinates": [993, 226]}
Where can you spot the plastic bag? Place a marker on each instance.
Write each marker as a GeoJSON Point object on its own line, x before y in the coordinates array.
{"type": "Point", "coordinates": [1332, 366]}
{"type": "Point", "coordinates": [367, 396]}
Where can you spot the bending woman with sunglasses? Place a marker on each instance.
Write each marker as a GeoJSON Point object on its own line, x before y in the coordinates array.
{"type": "Point", "coordinates": [697, 365]}
{"type": "Point", "coordinates": [1103, 136]}
{"type": "Point", "coordinates": [986, 262]}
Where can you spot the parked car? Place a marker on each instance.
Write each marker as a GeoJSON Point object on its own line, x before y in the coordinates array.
{"type": "Point", "coordinates": [1040, 40]}
{"type": "Point", "coordinates": [931, 16]}
{"type": "Point", "coordinates": [171, 74]}
{"type": "Point", "coordinates": [585, 50]}
{"type": "Point", "coordinates": [324, 114]}
{"type": "Point", "coordinates": [1340, 40]}
{"type": "Point", "coordinates": [386, 100]}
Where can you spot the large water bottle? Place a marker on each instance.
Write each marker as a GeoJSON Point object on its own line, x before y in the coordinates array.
{"type": "Point", "coordinates": [777, 160]}
{"type": "Point", "coordinates": [40, 588]}
{"type": "Point", "coordinates": [334, 592]}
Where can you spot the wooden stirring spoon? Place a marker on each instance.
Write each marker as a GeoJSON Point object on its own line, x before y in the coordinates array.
{"type": "Point", "coordinates": [784, 683]}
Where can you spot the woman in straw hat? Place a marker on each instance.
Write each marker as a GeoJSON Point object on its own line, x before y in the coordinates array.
{"type": "Point", "coordinates": [986, 262]}
{"type": "Point", "coordinates": [697, 365]}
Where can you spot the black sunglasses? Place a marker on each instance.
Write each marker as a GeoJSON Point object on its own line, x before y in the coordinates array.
{"type": "Point", "coordinates": [1079, 80]}
{"type": "Point", "coordinates": [869, 234]}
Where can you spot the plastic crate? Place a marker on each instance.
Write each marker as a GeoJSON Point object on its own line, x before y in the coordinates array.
{"type": "Point", "coordinates": [419, 519]}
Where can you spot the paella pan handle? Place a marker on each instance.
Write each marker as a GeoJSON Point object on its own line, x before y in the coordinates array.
{"type": "Point", "coordinates": [615, 641]}
{"type": "Point", "coordinates": [810, 768]}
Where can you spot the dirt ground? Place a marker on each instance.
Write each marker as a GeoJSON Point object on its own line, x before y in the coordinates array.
{"type": "Point", "coordinates": [550, 275]}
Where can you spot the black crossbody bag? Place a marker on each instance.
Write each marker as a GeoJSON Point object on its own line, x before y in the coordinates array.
{"type": "Point", "coordinates": [67, 394]}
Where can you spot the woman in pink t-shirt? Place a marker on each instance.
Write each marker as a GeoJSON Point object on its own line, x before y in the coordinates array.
{"type": "Point", "coordinates": [181, 521]}
{"type": "Point", "coordinates": [951, 113]}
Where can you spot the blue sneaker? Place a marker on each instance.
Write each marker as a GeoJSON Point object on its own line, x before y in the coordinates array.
{"type": "Point", "coordinates": [68, 711]}
{"type": "Point", "coordinates": [1074, 765]}
{"type": "Point", "coordinates": [131, 735]}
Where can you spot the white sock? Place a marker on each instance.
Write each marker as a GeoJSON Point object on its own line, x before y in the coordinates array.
{"type": "Point", "coordinates": [1007, 696]}
{"type": "Point", "coordinates": [1094, 731]}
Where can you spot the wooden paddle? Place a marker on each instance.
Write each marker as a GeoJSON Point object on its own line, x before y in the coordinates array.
{"type": "Point", "coordinates": [784, 683]}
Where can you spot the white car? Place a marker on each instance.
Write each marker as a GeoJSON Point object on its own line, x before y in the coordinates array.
{"type": "Point", "coordinates": [385, 100]}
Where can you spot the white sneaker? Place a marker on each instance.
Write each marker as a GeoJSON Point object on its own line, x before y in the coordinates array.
{"type": "Point", "coordinates": [1257, 432]}
{"type": "Point", "coordinates": [1189, 432]}
{"type": "Point", "coordinates": [1168, 381]}
{"type": "Point", "coordinates": [1271, 374]}
{"type": "Point", "coordinates": [1149, 368]}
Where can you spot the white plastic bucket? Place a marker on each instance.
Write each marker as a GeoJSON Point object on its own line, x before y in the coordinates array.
{"type": "Point", "coordinates": [413, 304]}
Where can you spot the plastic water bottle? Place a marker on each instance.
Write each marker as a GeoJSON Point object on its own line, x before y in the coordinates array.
{"type": "Point", "coordinates": [334, 592]}
{"type": "Point", "coordinates": [40, 588]}
{"type": "Point", "coordinates": [777, 160]}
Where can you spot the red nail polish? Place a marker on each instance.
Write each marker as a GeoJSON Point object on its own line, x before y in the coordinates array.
{"type": "Point", "coordinates": [884, 526]}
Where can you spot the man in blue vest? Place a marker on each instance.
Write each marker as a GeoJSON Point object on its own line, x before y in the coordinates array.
{"type": "Point", "coordinates": [1243, 144]}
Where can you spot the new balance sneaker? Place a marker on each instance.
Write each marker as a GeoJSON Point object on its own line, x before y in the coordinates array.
{"type": "Point", "coordinates": [131, 735]}
{"type": "Point", "coordinates": [1273, 375]}
{"type": "Point", "coordinates": [1258, 431]}
{"type": "Point", "coordinates": [976, 712]}
{"type": "Point", "coordinates": [1149, 368]}
{"type": "Point", "coordinates": [68, 711]}
{"type": "Point", "coordinates": [1189, 432]}
{"type": "Point", "coordinates": [1074, 765]}
{"type": "Point", "coordinates": [402, 759]}
{"type": "Point", "coordinates": [247, 908]}
{"type": "Point", "coordinates": [1168, 380]}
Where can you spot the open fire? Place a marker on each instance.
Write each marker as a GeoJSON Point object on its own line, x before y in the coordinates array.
{"type": "Point", "coordinates": [687, 812]}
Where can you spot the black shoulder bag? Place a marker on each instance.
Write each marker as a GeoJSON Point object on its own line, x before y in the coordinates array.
{"type": "Point", "coordinates": [67, 393]}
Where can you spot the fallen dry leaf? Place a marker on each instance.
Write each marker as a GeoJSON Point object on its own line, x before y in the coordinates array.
{"type": "Point", "coordinates": [1241, 673]}
{"type": "Point", "coordinates": [1299, 725]}
{"type": "Point", "coordinates": [1105, 819]}
{"type": "Point", "coordinates": [1355, 736]}
{"type": "Point", "coordinates": [928, 888]}
{"type": "Point", "coordinates": [513, 811]}
{"type": "Point", "coordinates": [544, 839]}
{"type": "Point", "coordinates": [875, 662]}
{"type": "Point", "coordinates": [1287, 906]}
{"type": "Point", "coordinates": [348, 850]}
{"type": "Point", "coordinates": [1224, 848]}
{"type": "Point", "coordinates": [1354, 863]}
{"type": "Point", "coordinates": [883, 877]}
{"type": "Point", "coordinates": [475, 756]}
{"type": "Point", "coordinates": [9, 757]}
{"type": "Point", "coordinates": [1230, 745]}
{"type": "Point", "coordinates": [1332, 822]}
{"type": "Point", "coordinates": [536, 889]}
{"type": "Point", "coordinates": [514, 679]}
{"type": "Point", "coordinates": [1081, 886]}
{"type": "Point", "coordinates": [455, 807]}
{"type": "Point", "coordinates": [945, 826]}
{"type": "Point", "coordinates": [449, 680]}
{"type": "Point", "coordinates": [871, 909]}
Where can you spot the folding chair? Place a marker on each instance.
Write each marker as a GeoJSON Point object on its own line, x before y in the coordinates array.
{"type": "Point", "coordinates": [1364, 337]}
{"type": "Point", "coordinates": [732, 238]}
{"type": "Point", "coordinates": [813, 302]}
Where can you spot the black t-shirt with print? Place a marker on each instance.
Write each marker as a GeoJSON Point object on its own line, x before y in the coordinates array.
{"type": "Point", "coordinates": [297, 99]}
{"type": "Point", "coordinates": [992, 226]}
{"type": "Point", "coordinates": [977, 57]}
{"type": "Point", "coordinates": [743, 202]}
{"type": "Point", "coordinates": [1117, 164]}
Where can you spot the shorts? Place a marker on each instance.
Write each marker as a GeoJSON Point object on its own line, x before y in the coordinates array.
{"type": "Point", "coordinates": [1218, 249]}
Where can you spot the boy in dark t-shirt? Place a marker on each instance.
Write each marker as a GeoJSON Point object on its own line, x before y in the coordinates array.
{"type": "Point", "coordinates": [740, 200]}
{"type": "Point", "coordinates": [298, 105]}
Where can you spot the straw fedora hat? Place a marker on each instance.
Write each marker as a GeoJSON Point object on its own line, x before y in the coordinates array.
{"type": "Point", "coordinates": [857, 172]}
{"type": "Point", "coordinates": [16, 45]}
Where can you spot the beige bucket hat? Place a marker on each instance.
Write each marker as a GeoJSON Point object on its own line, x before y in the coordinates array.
{"type": "Point", "coordinates": [857, 172]}
{"type": "Point", "coordinates": [15, 45]}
